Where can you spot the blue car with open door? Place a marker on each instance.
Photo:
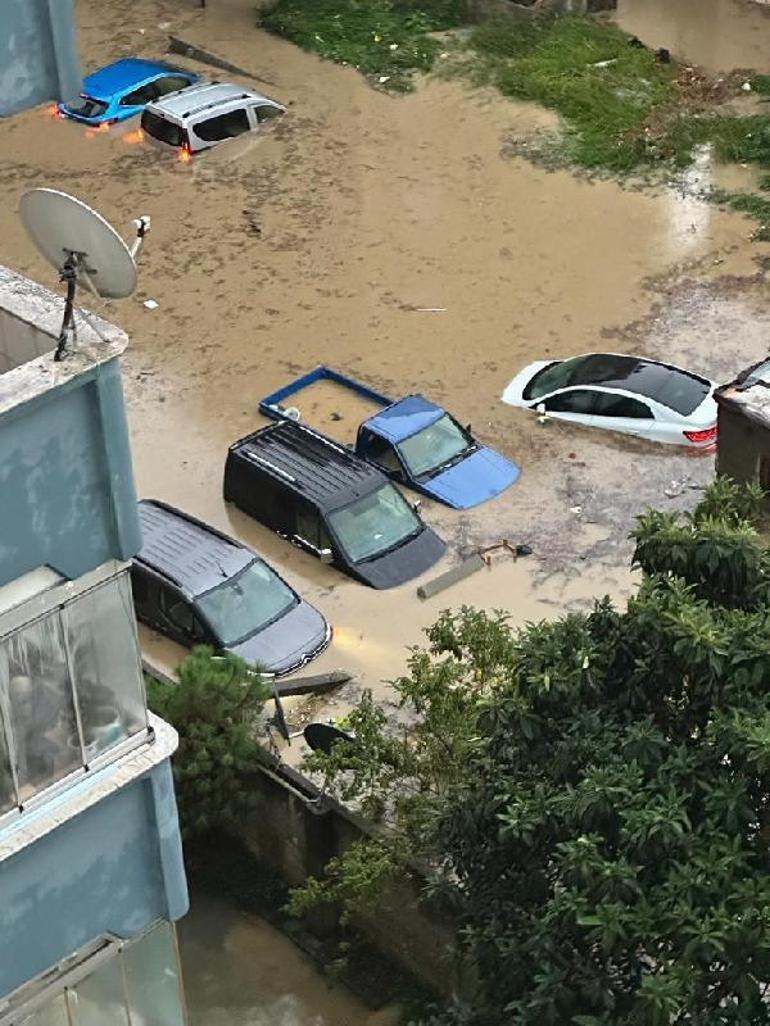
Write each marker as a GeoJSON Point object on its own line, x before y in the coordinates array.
{"type": "Point", "coordinates": [122, 90]}
{"type": "Point", "coordinates": [415, 442]}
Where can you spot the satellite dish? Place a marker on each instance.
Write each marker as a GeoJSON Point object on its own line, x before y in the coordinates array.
{"type": "Point", "coordinates": [323, 736]}
{"type": "Point", "coordinates": [83, 247]}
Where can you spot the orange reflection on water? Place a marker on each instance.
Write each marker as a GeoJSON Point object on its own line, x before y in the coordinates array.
{"type": "Point", "coordinates": [133, 138]}
{"type": "Point", "coordinates": [91, 132]}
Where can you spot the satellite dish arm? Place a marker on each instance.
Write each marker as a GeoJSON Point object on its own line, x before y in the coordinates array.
{"type": "Point", "coordinates": [142, 225]}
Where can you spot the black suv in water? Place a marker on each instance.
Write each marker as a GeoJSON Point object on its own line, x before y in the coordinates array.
{"type": "Point", "coordinates": [330, 502]}
{"type": "Point", "coordinates": [202, 588]}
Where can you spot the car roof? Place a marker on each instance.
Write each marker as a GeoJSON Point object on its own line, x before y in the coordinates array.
{"type": "Point", "coordinates": [678, 390]}
{"type": "Point", "coordinates": [310, 463]}
{"type": "Point", "coordinates": [186, 102]}
{"type": "Point", "coordinates": [404, 418]}
{"type": "Point", "coordinates": [186, 551]}
{"type": "Point", "coordinates": [132, 71]}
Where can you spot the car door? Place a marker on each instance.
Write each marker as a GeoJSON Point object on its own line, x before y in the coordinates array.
{"type": "Point", "coordinates": [577, 405]}
{"type": "Point", "coordinates": [382, 452]}
{"type": "Point", "coordinates": [618, 412]}
{"type": "Point", "coordinates": [135, 101]}
{"type": "Point", "coordinates": [178, 618]}
{"type": "Point", "coordinates": [209, 131]}
{"type": "Point", "coordinates": [310, 532]}
{"type": "Point", "coordinates": [263, 113]}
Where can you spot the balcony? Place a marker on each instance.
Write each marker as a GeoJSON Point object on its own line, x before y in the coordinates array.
{"type": "Point", "coordinates": [67, 497]}
{"type": "Point", "coordinates": [109, 983]}
{"type": "Point", "coordinates": [71, 686]}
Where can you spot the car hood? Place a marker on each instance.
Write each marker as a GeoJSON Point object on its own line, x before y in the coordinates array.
{"type": "Point", "coordinates": [513, 393]}
{"type": "Point", "coordinates": [403, 563]}
{"type": "Point", "coordinates": [482, 475]}
{"type": "Point", "coordinates": [291, 640]}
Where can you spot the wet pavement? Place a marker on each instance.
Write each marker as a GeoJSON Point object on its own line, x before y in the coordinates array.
{"type": "Point", "coordinates": [370, 207]}
{"type": "Point", "coordinates": [719, 35]}
{"type": "Point", "coordinates": [239, 971]}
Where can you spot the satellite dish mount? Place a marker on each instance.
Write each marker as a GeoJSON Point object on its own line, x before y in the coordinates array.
{"type": "Point", "coordinates": [84, 248]}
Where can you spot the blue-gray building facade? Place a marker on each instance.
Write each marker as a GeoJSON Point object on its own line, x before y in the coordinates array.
{"type": "Point", "coordinates": [38, 53]}
{"type": "Point", "coordinates": [91, 871]}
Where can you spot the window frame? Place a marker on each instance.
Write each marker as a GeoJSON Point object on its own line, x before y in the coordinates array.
{"type": "Point", "coordinates": [51, 603]}
{"type": "Point", "coordinates": [64, 975]}
{"type": "Point", "coordinates": [565, 393]}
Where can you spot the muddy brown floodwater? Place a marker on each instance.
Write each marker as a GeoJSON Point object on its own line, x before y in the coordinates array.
{"type": "Point", "coordinates": [370, 207]}
{"type": "Point", "coordinates": [239, 971]}
{"type": "Point", "coordinates": [719, 35]}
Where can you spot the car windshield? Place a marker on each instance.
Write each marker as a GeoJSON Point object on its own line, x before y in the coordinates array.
{"type": "Point", "coordinates": [164, 131]}
{"type": "Point", "coordinates": [674, 388]}
{"type": "Point", "coordinates": [86, 106]}
{"type": "Point", "coordinates": [246, 604]}
{"type": "Point", "coordinates": [374, 524]}
{"type": "Point", "coordinates": [434, 446]}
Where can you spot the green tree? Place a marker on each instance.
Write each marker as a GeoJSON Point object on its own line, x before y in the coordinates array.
{"type": "Point", "coordinates": [603, 823]}
{"type": "Point", "coordinates": [214, 706]}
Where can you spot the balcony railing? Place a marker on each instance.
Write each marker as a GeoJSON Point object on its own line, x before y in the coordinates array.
{"type": "Point", "coordinates": [71, 686]}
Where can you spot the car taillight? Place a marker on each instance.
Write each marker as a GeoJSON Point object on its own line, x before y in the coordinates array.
{"type": "Point", "coordinates": [707, 435]}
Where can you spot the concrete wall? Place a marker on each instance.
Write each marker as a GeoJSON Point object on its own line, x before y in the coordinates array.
{"type": "Point", "coordinates": [67, 496]}
{"type": "Point", "coordinates": [741, 443]}
{"type": "Point", "coordinates": [38, 53]}
{"type": "Point", "coordinates": [479, 10]}
{"type": "Point", "coordinates": [115, 868]}
{"type": "Point", "coordinates": [296, 834]}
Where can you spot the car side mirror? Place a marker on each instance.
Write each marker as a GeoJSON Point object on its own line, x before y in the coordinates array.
{"type": "Point", "coordinates": [540, 408]}
{"type": "Point", "coordinates": [326, 556]}
{"type": "Point", "coordinates": [417, 505]}
{"type": "Point", "coordinates": [468, 429]}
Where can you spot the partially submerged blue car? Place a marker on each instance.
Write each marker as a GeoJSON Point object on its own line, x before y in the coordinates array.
{"type": "Point", "coordinates": [122, 90]}
{"type": "Point", "coordinates": [415, 442]}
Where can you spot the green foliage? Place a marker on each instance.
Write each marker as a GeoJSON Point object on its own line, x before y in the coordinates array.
{"type": "Point", "coordinates": [715, 549]}
{"type": "Point", "coordinates": [761, 84]}
{"type": "Point", "coordinates": [382, 38]}
{"type": "Point", "coordinates": [585, 70]}
{"type": "Point", "coordinates": [214, 706]}
{"type": "Point", "coordinates": [595, 792]}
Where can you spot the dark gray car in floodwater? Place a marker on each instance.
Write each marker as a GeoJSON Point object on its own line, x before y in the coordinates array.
{"type": "Point", "coordinates": [200, 587]}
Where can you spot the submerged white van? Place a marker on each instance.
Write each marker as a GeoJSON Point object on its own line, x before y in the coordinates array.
{"type": "Point", "coordinates": [203, 115]}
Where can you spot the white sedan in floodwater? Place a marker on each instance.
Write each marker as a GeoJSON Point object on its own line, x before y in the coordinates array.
{"type": "Point", "coordinates": [621, 393]}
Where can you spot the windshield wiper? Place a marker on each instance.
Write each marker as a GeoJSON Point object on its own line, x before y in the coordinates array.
{"type": "Point", "coordinates": [394, 546]}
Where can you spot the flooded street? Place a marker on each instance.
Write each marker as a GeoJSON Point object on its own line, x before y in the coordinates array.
{"type": "Point", "coordinates": [324, 242]}
{"type": "Point", "coordinates": [719, 35]}
{"type": "Point", "coordinates": [240, 971]}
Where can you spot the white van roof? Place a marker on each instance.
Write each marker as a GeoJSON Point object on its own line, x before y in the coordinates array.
{"type": "Point", "coordinates": [186, 102]}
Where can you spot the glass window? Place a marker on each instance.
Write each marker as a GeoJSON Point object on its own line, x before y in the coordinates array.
{"type": "Point", "coordinates": [434, 446]}
{"type": "Point", "coordinates": [54, 1013]}
{"type": "Point", "coordinates": [170, 84]}
{"type": "Point", "coordinates": [7, 788]}
{"type": "Point", "coordinates": [177, 610]}
{"type": "Point", "coordinates": [152, 979]}
{"type": "Point", "coordinates": [674, 388]}
{"type": "Point", "coordinates": [372, 525]}
{"type": "Point", "coordinates": [577, 401]}
{"type": "Point", "coordinates": [103, 650]}
{"type": "Point", "coordinates": [246, 604]}
{"type": "Point", "coordinates": [267, 113]}
{"type": "Point", "coordinates": [610, 404]}
{"type": "Point", "coordinates": [225, 126]}
{"type": "Point", "coordinates": [100, 998]}
{"type": "Point", "coordinates": [382, 452]}
{"type": "Point", "coordinates": [35, 687]}
{"type": "Point", "coordinates": [138, 97]}
{"type": "Point", "coordinates": [164, 131]}
{"type": "Point", "coordinates": [87, 107]}
{"type": "Point", "coordinates": [310, 528]}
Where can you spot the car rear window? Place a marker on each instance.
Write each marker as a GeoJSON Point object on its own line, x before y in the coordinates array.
{"type": "Point", "coordinates": [165, 131]}
{"type": "Point", "coordinates": [86, 107]}
{"type": "Point", "coordinates": [680, 391]}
